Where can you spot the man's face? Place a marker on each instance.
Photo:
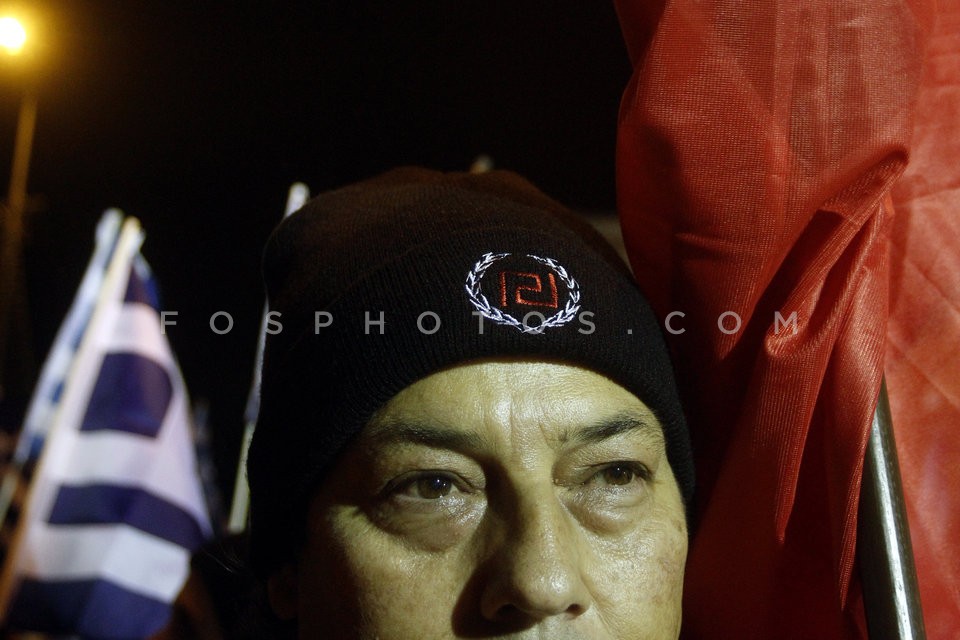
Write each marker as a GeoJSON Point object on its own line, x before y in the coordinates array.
{"type": "Point", "coordinates": [497, 500]}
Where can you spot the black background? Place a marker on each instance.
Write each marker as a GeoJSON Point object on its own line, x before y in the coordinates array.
{"type": "Point", "coordinates": [196, 117]}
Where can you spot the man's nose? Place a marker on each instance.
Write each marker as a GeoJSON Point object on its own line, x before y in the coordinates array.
{"type": "Point", "coordinates": [536, 571]}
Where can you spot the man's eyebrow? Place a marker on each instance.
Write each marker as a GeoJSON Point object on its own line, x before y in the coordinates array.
{"type": "Point", "coordinates": [430, 435]}
{"type": "Point", "coordinates": [615, 426]}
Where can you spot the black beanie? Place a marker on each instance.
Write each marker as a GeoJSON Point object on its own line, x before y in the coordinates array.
{"type": "Point", "coordinates": [386, 281]}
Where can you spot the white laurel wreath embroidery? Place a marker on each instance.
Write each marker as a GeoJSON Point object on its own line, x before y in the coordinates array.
{"type": "Point", "coordinates": [490, 312]}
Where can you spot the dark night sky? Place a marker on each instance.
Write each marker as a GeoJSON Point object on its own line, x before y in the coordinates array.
{"type": "Point", "coordinates": [196, 117]}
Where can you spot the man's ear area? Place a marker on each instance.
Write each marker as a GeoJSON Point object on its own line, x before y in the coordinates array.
{"type": "Point", "coordinates": [282, 592]}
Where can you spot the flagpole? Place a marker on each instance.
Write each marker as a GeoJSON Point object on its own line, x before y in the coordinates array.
{"type": "Point", "coordinates": [237, 523]}
{"type": "Point", "coordinates": [129, 242]}
{"type": "Point", "coordinates": [891, 595]}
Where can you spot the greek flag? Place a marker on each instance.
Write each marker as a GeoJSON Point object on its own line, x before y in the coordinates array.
{"type": "Point", "coordinates": [115, 507]}
{"type": "Point", "coordinates": [52, 377]}
{"type": "Point", "coordinates": [46, 395]}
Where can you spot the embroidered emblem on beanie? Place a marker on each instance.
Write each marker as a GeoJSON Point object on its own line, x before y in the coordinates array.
{"type": "Point", "coordinates": [529, 293]}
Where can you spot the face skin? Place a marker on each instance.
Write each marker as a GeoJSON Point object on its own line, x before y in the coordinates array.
{"type": "Point", "coordinates": [499, 499]}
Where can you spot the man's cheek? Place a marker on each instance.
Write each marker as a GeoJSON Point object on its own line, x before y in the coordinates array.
{"type": "Point", "coordinates": [648, 604]}
{"type": "Point", "coordinates": [406, 598]}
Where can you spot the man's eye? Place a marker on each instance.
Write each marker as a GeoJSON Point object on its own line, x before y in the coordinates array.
{"type": "Point", "coordinates": [620, 474]}
{"type": "Point", "coordinates": [433, 487]}
{"type": "Point", "coordinates": [426, 487]}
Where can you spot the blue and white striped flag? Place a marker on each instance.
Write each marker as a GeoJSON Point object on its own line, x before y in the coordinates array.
{"type": "Point", "coordinates": [46, 395]}
{"type": "Point", "coordinates": [50, 386]}
{"type": "Point", "coordinates": [115, 508]}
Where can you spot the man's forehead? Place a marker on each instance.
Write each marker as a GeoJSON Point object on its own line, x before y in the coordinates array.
{"type": "Point", "coordinates": [395, 431]}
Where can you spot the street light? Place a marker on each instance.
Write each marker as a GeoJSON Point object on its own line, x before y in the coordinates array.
{"type": "Point", "coordinates": [12, 38]}
{"type": "Point", "coordinates": [12, 35]}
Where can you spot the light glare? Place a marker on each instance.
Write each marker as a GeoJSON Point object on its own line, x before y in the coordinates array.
{"type": "Point", "coordinates": [12, 35]}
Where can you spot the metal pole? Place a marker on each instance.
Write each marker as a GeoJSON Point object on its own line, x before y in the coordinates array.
{"type": "Point", "coordinates": [890, 593]}
{"type": "Point", "coordinates": [13, 223]}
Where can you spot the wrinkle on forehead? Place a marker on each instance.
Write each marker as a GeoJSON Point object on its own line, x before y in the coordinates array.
{"type": "Point", "coordinates": [511, 408]}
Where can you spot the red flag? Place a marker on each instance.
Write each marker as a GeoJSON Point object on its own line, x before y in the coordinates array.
{"type": "Point", "coordinates": [758, 145]}
{"type": "Point", "coordinates": [923, 337]}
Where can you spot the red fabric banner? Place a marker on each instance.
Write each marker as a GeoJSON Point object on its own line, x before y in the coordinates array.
{"type": "Point", "coordinates": [757, 150]}
{"type": "Point", "coordinates": [923, 336]}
